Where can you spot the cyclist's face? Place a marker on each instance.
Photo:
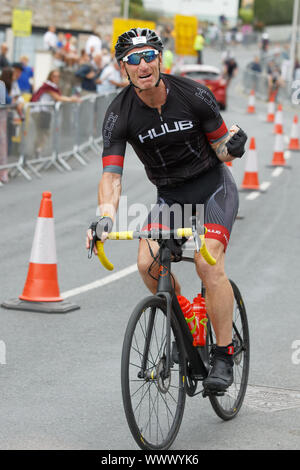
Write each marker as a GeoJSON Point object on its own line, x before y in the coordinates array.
{"type": "Point", "coordinates": [144, 75]}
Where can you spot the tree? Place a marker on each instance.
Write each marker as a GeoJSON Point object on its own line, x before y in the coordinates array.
{"type": "Point", "coordinates": [137, 10]}
{"type": "Point", "coordinates": [272, 12]}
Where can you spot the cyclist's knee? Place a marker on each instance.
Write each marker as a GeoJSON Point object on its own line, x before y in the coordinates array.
{"type": "Point", "coordinates": [211, 275]}
{"type": "Point", "coordinates": [145, 257]}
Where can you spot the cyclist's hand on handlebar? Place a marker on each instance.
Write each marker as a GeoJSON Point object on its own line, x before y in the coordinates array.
{"type": "Point", "coordinates": [98, 230]}
{"type": "Point", "coordinates": [104, 227]}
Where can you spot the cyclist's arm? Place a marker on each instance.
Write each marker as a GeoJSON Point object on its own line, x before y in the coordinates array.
{"type": "Point", "coordinates": [220, 146]}
{"type": "Point", "coordinates": [109, 193]}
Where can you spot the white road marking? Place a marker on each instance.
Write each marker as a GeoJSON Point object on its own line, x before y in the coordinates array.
{"type": "Point", "coordinates": [287, 154]}
{"type": "Point", "coordinates": [252, 195]}
{"type": "Point", "coordinates": [265, 185]}
{"type": "Point", "coordinates": [100, 282]}
{"type": "Point", "coordinates": [277, 171]}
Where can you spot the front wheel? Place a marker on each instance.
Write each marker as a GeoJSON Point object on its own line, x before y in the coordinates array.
{"type": "Point", "coordinates": [228, 405]}
{"type": "Point", "coordinates": [153, 397]}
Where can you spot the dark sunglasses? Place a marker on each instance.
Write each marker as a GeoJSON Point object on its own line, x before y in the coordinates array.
{"type": "Point", "coordinates": [135, 58]}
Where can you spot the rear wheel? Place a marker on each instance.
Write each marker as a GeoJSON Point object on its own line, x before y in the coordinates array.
{"type": "Point", "coordinates": [153, 397]}
{"type": "Point", "coordinates": [228, 405]}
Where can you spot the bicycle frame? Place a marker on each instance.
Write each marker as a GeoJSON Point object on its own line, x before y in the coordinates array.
{"type": "Point", "coordinates": [198, 364]}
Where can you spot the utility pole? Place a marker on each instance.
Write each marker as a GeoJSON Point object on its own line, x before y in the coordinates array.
{"type": "Point", "coordinates": [293, 39]}
{"type": "Point", "coordinates": [126, 9]}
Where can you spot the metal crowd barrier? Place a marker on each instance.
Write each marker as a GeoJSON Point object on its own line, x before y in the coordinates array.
{"type": "Point", "coordinates": [258, 81]}
{"type": "Point", "coordinates": [51, 134]}
{"type": "Point", "coordinates": [10, 140]}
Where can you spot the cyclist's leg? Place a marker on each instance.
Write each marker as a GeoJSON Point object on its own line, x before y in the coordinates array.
{"type": "Point", "coordinates": [219, 295]}
{"type": "Point", "coordinates": [220, 212]}
{"type": "Point", "coordinates": [148, 268]}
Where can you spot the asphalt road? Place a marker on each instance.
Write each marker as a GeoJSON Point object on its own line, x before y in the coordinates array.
{"type": "Point", "coordinates": [60, 376]}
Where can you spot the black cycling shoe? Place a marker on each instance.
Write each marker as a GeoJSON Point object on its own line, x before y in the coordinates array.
{"type": "Point", "coordinates": [220, 376]}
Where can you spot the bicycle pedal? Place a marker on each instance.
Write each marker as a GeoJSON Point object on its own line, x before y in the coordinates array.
{"type": "Point", "coordinates": [215, 393]}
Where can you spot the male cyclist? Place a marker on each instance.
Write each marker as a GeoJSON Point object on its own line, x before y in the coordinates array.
{"type": "Point", "coordinates": [176, 130]}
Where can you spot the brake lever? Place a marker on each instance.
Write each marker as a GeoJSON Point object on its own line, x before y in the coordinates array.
{"type": "Point", "coordinates": [197, 239]}
{"type": "Point", "coordinates": [94, 239]}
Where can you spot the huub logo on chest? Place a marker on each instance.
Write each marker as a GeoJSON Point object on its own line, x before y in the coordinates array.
{"type": "Point", "coordinates": [165, 129]}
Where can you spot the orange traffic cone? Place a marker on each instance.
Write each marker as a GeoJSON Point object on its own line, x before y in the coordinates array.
{"type": "Point", "coordinates": [271, 110]}
{"type": "Point", "coordinates": [251, 102]}
{"type": "Point", "coordinates": [41, 291]}
{"type": "Point", "coordinates": [278, 127]}
{"type": "Point", "coordinates": [278, 155]}
{"type": "Point", "coordinates": [250, 180]}
{"type": "Point", "coordinates": [41, 284]}
{"type": "Point", "coordinates": [294, 139]}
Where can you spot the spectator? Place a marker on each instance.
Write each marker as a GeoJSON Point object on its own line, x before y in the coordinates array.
{"type": "Point", "coordinates": [84, 58]}
{"type": "Point", "coordinates": [7, 78]}
{"type": "Point", "coordinates": [198, 46]}
{"type": "Point", "coordinates": [264, 42]}
{"type": "Point", "coordinates": [26, 75]}
{"type": "Point", "coordinates": [15, 89]}
{"type": "Point", "coordinates": [111, 79]}
{"type": "Point", "coordinates": [256, 65]}
{"type": "Point", "coordinates": [50, 39]}
{"type": "Point", "coordinates": [275, 80]}
{"type": "Point", "coordinates": [230, 69]}
{"type": "Point", "coordinates": [3, 59]}
{"type": "Point", "coordinates": [93, 44]}
{"type": "Point", "coordinates": [60, 41]}
{"type": "Point", "coordinates": [168, 59]}
{"type": "Point", "coordinates": [49, 92]}
{"type": "Point", "coordinates": [89, 74]}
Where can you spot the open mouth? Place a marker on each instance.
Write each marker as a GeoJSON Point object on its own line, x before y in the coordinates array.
{"type": "Point", "coordinates": [144, 77]}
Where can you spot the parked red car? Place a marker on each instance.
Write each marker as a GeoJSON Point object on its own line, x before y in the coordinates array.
{"type": "Point", "coordinates": [210, 76]}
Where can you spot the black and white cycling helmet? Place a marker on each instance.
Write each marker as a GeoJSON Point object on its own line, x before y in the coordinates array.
{"type": "Point", "coordinates": [137, 37]}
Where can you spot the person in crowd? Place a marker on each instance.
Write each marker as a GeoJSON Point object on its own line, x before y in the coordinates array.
{"type": "Point", "coordinates": [7, 77]}
{"type": "Point", "coordinates": [111, 79]}
{"type": "Point", "coordinates": [84, 58]}
{"type": "Point", "coordinates": [16, 93]}
{"type": "Point", "coordinates": [255, 66]}
{"type": "Point", "coordinates": [24, 81]}
{"type": "Point", "coordinates": [4, 62]}
{"type": "Point", "coordinates": [70, 49]}
{"type": "Point", "coordinates": [48, 92]}
{"type": "Point", "coordinates": [230, 69]}
{"type": "Point", "coordinates": [50, 39]}
{"type": "Point", "coordinates": [93, 44]}
{"type": "Point", "coordinates": [265, 42]}
{"type": "Point", "coordinates": [275, 80]}
{"type": "Point", "coordinates": [199, 45]}
{"type": "Point", "coordinates": [60, 41]}
{"type": "Point", "coordinates": [168, 60]}
{"type": "Point", "coordinates": [89, 74]}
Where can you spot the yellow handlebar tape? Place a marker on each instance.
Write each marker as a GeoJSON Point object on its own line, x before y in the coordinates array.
{"type": "Point", "coordinates": [184, 232]}
{"type": "Point", "coordinates": [205, 253]}
{"type": "Point", "coordinates": [102, 256]}
{"type": "Point", "coordinates": [127, 235]}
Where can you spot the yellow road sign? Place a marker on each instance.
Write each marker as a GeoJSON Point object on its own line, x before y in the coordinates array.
{"type": "Point", "coordinates": [120, 25]}
{"type": "Point", "coordinates": [185, 32]}
{"type": "Point", "coordinates": [21, 22]}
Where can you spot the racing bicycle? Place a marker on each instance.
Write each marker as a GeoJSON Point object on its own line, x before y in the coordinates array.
{"type": "Point", "coordinates": [160, 366]}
